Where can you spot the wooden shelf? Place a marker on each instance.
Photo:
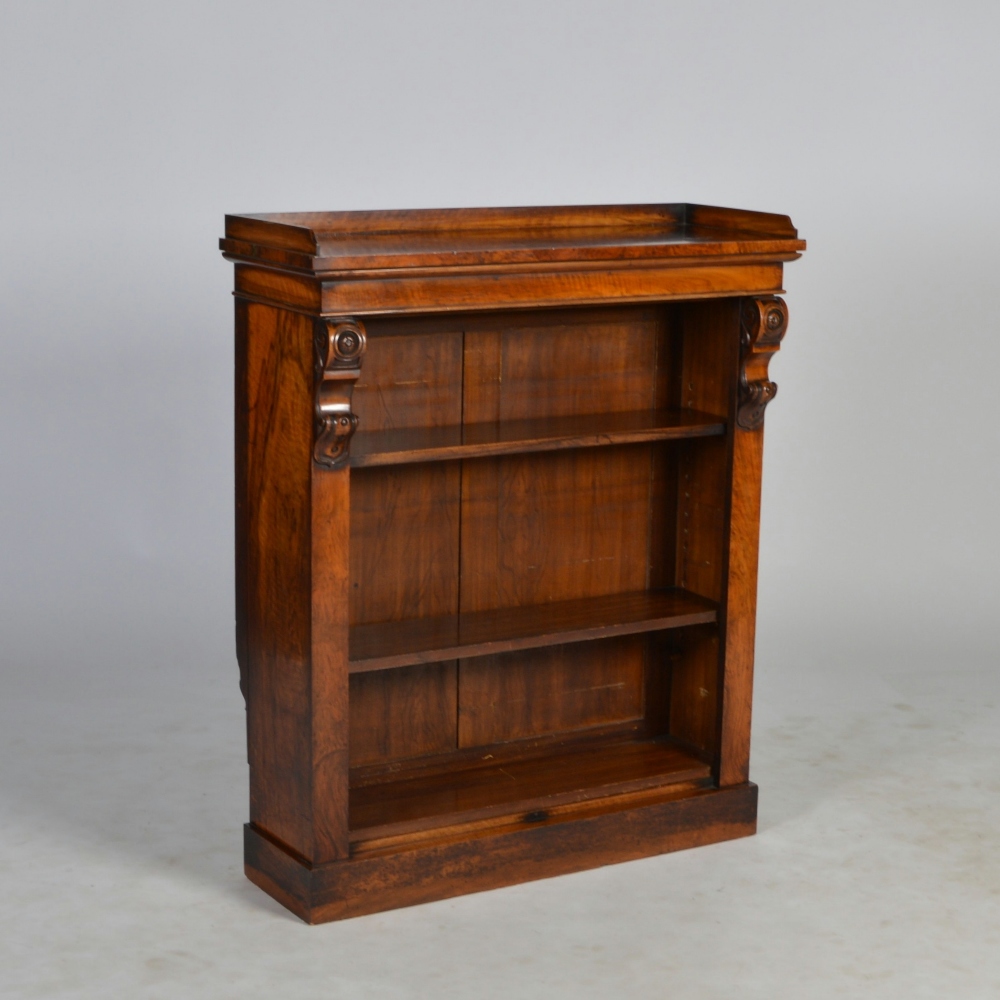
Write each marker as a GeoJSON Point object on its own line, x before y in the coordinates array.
{"type": "Point", "coordinates": [428, 640]}
{"type": "Point", "coordinates": [496, 789]}
{"type": "Point", "coordinates": [432, 444]}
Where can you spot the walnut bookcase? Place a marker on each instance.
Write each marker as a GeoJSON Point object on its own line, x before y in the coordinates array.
{"type": "Point", "coordinates": [497, 500]}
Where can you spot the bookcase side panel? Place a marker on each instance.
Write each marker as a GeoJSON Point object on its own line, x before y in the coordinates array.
{"type": "Point", "coordinates": [763, 322]}
{"type": "Point", "coordinates": [275, 567]}
{"type": "Point", "coordinates": [241, 499]}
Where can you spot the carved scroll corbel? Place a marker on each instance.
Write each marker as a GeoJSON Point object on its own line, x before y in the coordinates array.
{"type": "Point", "coordinates": [339, 346]}
{"type": "Point", "coordinates": [763, 322]}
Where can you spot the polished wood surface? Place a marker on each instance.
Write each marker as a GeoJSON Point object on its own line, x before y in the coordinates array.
{"type": "Point", "coordinates": [403, 715]}
{"type": "Point", "coordinates": [587, 835]}
{"type": "Point", "coordinates": [529, 787]}
{"type": "Point", "coordinates": [574, 687]}
{"type": "Point", "coordinates": [500, 630]}
{"type": "Point", "coordinates": [341, 241]}
{"type": "Point", "coordinates": [275, 396]}
{"type": "Point", "coordinates": [497, 504]}
{"type": "Point", "coordinates": [518, 437]}
{"type": "Point", "coordinates": [381, 263]}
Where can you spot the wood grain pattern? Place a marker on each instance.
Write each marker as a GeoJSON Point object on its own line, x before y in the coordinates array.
{"type": "Point", "coordinates": [387, 644]}
{"type": "Point", "coordinates": [554, 689]}
{"type": "Point", "coordinates": [330, 527]}
{"type": "Point", "coordinates": [404, 542]}
{"type": "Point", "coordinates": [554, 526]}
{"type": "Point", "coordinates": [567, 363]}
{"type": "Point", "coordinates": [277, 566]}
{"type": "Point", "coordinates": [277, 288]}
{"type": "Point", "coordinates": [445, 292]}
{"type": "Point", "coordinates": [741, 607]}
{"type": "Point", "coordinates": [363, 241]}
{"type": "Point", "coordinates": [693, 707]}
{"type": "Point", "coordinates": [512, 634]}
{"type": "Point", "coordinates": [241, 500]}
{"type": "Point", "coordinates": [514, 437]}
{"type": "Point", "coordinates": [412, 378]}
{"type": "Point", "coordinates": [509, 791]}
{"type": "Point", "coordinates": [708, 344]}
{"type": "Point", "coordinates": [459, 758]}
{"type": "Point", "coordinates": [594, 834]}
{"type": "Point", "coordinates": [410, 712]}
{"type": "Point", "coordinates": [763, 326]}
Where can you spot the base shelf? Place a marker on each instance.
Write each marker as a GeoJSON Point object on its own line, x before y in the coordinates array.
{"type": "Point", "coordinates": [479, 633]}
{"type": "Point", "coordinates": [497, 789]}
{"type": "Point", "coordinates": [512, 437]}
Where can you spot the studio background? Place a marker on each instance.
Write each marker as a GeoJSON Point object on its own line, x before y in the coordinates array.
{"type": "Point", "coordinates": [130, 129]}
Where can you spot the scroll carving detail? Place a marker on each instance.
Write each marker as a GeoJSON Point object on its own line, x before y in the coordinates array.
{"type": "Point", "coordinates": [763, 322]}
{"type": "Point", "coordinates": [339, 347]}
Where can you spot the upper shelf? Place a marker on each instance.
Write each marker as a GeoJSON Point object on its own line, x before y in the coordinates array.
{"type": "Point", "coordinates": [513, 437]}
{"type": "Point", "coordinates": [323, 242]}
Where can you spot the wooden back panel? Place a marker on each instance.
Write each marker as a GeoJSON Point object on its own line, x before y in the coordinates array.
{"type": "Point", "coordinates": [448, 537]}
{"type": "Point", "coordinates": [557, 526]}
{"type": "Point", "coordinates": [405, 538]}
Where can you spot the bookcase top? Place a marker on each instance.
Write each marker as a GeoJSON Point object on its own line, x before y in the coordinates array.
{"type": "Point", "coordinates": [471, 237]}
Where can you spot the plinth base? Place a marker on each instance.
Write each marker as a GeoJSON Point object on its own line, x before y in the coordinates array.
{"type": "Point", "coordinates": [522, 852]}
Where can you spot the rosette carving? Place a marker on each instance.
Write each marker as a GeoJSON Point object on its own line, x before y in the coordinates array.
{"type": "Point", "coordinates": [763, 322]}
{"type": "Point", "coordinates": [339, 347]}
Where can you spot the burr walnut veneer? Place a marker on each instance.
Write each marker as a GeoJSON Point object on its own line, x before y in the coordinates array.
{"type": "Point", "coordinates": [497, 497]}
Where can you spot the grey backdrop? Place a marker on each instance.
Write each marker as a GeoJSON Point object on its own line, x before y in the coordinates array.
{"type": "Point", "coordinates": [129, 129]}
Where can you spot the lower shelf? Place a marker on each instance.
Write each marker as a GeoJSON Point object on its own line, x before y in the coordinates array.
{"type": "Point", "coordinates": [494, 788]}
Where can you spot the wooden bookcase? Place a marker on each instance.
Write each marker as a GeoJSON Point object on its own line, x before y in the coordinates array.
{"type": "Point", "coordinates": [497, 500]}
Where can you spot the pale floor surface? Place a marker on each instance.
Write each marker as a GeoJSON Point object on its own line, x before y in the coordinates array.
{"type": "Point", "coordinates": [876, 871]}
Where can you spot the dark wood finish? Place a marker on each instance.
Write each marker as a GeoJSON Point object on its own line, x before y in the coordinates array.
{"type": "Point", "coordinates": [408, 713]}
{"type": "Point", "coordinates": [434, 238]}
{"type": "Point", "coordinates": [382, 645]}
{"type": "Point", "coordinates": [762, 325]}
{"type": "Point", "coordinates": [328, 677]}
{"type": "Point", "coordinates": [339, 348]}
{"type": "Point", "coordinates": [412, 510]}
{"type": "Point", "coordinates": [707, 342]}
{"type": "Point", "coordinates": [515, 437]}
{"type": "Point", "coordinates": [404, 539]}
{"type": "Point", "coordinates": [277, 368]}
{"type": "Point", "coordinates": [443, 292]}
{"type": "Point", "coordinates": [497, 504]}
{"type": "Point", "coordinates": [241, 500]}
{"type": "Point", "coordinates": [506, 792]}
{"type": "Point", "coordinates": [552, 689]}
{"type": "Point", "coordinates": [627, 827]}
{"type": "Point", "coordinates": [459, 758]}
{"type": "Point", "coordinates": [411, 379]}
